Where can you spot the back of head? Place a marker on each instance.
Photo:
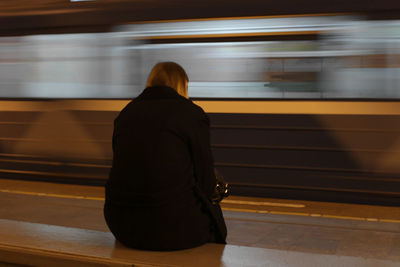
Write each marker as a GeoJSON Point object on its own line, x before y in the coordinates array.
{"type": "Point", "coordinates": [169, 74]}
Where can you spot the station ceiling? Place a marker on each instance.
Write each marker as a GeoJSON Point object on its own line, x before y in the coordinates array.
{"type": "Point", "coordinates": [25, 16]}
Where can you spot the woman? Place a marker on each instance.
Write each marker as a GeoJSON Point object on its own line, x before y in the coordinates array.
{"type": "Point", "coordinates": [162, 177]}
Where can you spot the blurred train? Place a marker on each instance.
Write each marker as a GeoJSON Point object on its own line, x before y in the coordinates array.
{"type": "Point", "coordinates": [301, 106]}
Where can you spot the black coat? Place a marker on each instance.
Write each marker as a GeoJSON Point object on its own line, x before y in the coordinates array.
{"type": "Point", "coordinates": [162, 177]}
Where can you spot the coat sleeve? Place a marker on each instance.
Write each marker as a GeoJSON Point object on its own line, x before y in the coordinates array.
{"type": "Point", "coordinates": [202, 157]}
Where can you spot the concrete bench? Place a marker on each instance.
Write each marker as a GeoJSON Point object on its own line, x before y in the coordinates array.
{"type": "Point", "coordinates": [33, 244]}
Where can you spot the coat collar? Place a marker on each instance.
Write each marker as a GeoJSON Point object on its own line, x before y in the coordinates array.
{"type": "Point", "coordinates": [159, 92]}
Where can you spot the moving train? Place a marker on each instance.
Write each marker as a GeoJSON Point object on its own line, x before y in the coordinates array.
{"type": "Point", "coordinates": [301, 106]}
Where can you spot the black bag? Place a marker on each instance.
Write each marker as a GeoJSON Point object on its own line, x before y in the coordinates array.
{"type": "Point", "coordinates": [222, 189]}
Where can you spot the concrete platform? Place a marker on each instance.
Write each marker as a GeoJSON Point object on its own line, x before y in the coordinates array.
{"type": "Point", "coordinates": [287, 231]}
{"type": "Point", "coordinates": [47, 245]}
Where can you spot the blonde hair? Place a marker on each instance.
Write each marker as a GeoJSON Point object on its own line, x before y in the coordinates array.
{"type": "Point", "coordinates": [169, 74]}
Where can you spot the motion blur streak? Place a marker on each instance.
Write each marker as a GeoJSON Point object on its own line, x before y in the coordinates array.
{"type": "Point", "coordinates": [334, 57]}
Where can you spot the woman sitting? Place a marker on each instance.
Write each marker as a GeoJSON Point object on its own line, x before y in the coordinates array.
{"type": "Point", "coordinates": [158, 195]}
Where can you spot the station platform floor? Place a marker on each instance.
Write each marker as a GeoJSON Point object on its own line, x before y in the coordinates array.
{"type": "Point", "coordinates": [317, 228]}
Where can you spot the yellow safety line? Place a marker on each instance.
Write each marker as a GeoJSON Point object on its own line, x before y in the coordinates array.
{"type": "Point", "coordinates": [49, 195]}
{"type": "Point", "coordinates": [246, 210]}
{"type": "Point", "coordinates": [224, 208]}
{"type": "Point", "coordinates": [239, 202]}
{"type": "Point", "coordinates": [289, 213]}
{"type": "Point", "coordinates": [262, 203]}
{"type": "Point", "coordinates": [345, 217]}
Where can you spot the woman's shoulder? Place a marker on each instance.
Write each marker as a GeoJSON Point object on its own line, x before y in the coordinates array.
{"type": "Point", "coordinates": [195, 110]}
